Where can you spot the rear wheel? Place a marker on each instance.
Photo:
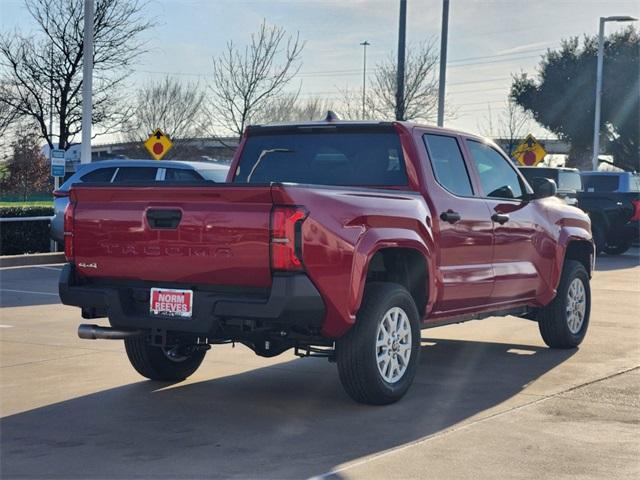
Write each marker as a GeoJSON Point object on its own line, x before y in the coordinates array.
{"type": "Point", "coordinates": [162, 363]}
{"type": "Point", "coordinates": [618, 247]}
{"type": "Point", "coordinates": [564, 322]}
{"type": "Point", "coordinates": [377, 359]}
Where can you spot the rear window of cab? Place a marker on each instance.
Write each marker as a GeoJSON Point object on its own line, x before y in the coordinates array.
{"type": "Point", "coordinates": [343, 158]}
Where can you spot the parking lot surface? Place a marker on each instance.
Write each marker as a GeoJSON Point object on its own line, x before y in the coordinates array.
{"type": "Point", "coordinates": [489, 401]}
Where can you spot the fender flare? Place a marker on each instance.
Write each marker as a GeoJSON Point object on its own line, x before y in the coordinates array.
{"type": "Point", "coordinates": [375, 240]}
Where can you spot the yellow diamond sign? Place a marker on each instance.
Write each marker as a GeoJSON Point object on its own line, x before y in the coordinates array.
{"type": "Point", "coordinates": [530, 152]}
{"type": "Point", "coordinates": [158, 144]}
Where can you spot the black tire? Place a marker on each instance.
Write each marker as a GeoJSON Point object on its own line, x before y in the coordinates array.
{"type": "Point", "coordinates": [356, 352]}
{"type": "Point", "coordinates": [598, 233]}
{"type": "Point", "coordinates": [553, 319]}
{"type": "Point", "coordinates": [152, 362]}
{"type": "Point", "coordinates": [617, 248]}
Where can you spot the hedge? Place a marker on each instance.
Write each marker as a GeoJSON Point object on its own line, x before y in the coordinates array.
{"type": "Point", "coordinates": [24, 237]}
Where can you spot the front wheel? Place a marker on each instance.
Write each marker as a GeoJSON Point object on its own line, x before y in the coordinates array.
{"type": "Point", "coordinates": [162, 363]}
{"type": "Point", "coordinates": [377, 359]}
{"type": "Point", "coordinates": [564, 322]}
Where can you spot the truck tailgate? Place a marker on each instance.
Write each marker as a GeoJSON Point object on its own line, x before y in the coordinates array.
{"type": "Point", "coordinates": [214, 235]}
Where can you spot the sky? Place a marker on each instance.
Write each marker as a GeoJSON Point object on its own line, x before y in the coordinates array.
{"type": "Point", "coordinates": [489, 40]}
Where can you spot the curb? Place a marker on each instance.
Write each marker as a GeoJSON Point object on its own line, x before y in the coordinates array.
{"type": "Point", "coordinates": [31, 259]}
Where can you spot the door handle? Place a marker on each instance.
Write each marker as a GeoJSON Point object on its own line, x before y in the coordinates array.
{"type": "Point", "coordinates": [500, 218]}
{"type": "Point", "coordinates": [450, 216]}
{"type": "Point", "coordinates": [164, 219]}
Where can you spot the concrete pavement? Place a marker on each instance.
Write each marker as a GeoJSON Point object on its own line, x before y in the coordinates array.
{"type": "Point", "coordinates": [489, 401]}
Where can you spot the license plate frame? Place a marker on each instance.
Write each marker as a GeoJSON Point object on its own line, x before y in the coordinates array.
{"type": "Point", "coordinates": [171, 302]}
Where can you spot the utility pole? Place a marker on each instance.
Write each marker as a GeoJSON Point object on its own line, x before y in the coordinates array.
{"type": "Point", "coordinates": [87, 82]}
{"type": "Point", "coordinates": [443, 61]}
{"type": "Point", "coordinates": [364, 44]}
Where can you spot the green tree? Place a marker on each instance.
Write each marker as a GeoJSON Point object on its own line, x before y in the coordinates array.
{"type": "Point", "coordinates": [27, 169]}
{"type": "Point", "coordinates": [562, 96]}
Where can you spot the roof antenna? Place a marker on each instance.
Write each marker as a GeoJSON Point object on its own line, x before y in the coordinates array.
{"type": "Point", "coordinates": [331, 116]}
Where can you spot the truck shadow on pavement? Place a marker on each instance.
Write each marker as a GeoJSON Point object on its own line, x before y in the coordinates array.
{"type": "Point", "coordinates": [630, 259]}
{"type": "Point", "coordinates": [289, 420]}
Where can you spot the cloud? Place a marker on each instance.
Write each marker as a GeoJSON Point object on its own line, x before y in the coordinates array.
{"type": "Point", "coordinates": [525, 47]}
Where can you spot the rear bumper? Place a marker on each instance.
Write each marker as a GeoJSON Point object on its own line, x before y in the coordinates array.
{"type": "Point", "coordinates": [292, 301]}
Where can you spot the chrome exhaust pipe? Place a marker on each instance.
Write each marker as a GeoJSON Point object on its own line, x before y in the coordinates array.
{"type": "Point", "coordinates": [95, 332]}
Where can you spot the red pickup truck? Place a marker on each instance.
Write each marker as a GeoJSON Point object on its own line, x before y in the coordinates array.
{"type": "Point", "coordinates": [336, 239]}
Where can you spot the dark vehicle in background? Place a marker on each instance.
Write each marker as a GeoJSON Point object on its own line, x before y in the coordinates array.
{"type": "Point", "coordinates": [123, 171]}
{"type": "Point", "coordinates": [612, 200]}
{"type": "Point", "coordinates": [568, 181]}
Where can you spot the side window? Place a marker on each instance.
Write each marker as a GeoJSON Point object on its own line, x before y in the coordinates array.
{"type": "Point", "coordinates": [99, 175]}
{"type": "Point", "coordinates": [180, 175]}
{"type": "Point", "coordinates": [448, 164]}
{"type": "Point", "coordinates": [135, 174]}
{"type": "Point", "coordinates": [497, 177]}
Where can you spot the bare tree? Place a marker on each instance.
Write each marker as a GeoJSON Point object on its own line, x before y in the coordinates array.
{"type": "Point", "coordinates": [42, 73]}
{"type": "Point", "coordinates": [246, 79]}
{"type": "Point", "coordinates": [510, 126]}
{"type": "Point", "coordinates": [8, 115]}
{"type": "Point", "coordinates": [421, 84]}
{"type": "Point", "coordinates": [350, 105]}
{"type": "Point", "coordinates": [290, 108]}
{"type": "Point", "coordinates": [168, 104]}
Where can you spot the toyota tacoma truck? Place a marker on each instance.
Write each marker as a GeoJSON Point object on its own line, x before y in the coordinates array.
{"type": "Point", "coordinates": [335, 239]}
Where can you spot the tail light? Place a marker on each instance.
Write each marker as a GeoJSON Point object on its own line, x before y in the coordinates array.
{"type": "Point", "coordinates": [286, 237]}
{"type": "Point", "coordinates": [636, 210]}
{"type": "Point", "coordinates": [68, 231]}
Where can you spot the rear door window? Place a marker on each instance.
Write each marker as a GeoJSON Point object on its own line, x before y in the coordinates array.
{"type": "Point", "coordinates": [348, 158]}
{"type": "Point", "coordinates": [600, 183]}
{"type": "Point", "coordinates": [448, 164]}
{"type": "Point", "coordinates": [135, 174]}
{"type": "Point", "coordinates": [99, 175]}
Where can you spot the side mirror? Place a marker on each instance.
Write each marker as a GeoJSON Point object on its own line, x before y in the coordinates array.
{"type": "Point", "coordinates": [543, 187]}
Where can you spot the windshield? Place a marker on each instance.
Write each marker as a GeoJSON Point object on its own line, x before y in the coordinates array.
{"type": "Point", "coordinates": [218, 175]}
{"type": "Point", "coordinates": [349, 158]}
{"type": "Point", "coordinates": [635, 183]}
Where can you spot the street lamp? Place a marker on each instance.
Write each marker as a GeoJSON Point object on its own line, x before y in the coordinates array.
{"type": "Point", "coordinates": [87, 81]}
{"type": "Point", "coordinates": [364, 44]}
{"type": "Point", "coordinates": [596, 122]}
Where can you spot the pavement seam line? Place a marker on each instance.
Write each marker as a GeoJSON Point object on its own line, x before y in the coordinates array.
{"type": "Point", "coordinates": [28, 292]}
{"type": "Point", "coordinates": [50, 360]}
{"type": "Point", "coordinates": [465, 426]}
{"type": "Point", "coordinates": [59, 346]}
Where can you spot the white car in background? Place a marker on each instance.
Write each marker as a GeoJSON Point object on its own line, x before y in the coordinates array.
{"type": "Point", "coordinates": [127, 171]}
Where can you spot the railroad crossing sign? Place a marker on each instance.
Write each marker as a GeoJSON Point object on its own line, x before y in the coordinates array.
{"type": "Point", "coordinates": [530, 152]}
{"type": "Point", "coordinates": [158, 144]}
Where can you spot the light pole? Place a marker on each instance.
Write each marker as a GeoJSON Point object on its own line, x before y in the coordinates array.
{"type": "Point", "coordinates": [596, 121]}
{"type": "Point", "coordinates": [364, 44]}
{"type": "Point", "coordinates": [443, 61]}
{"type": "Point", "coordinates": [87, 81]}
{"type": "Point", "coordinates": [402, 37]}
